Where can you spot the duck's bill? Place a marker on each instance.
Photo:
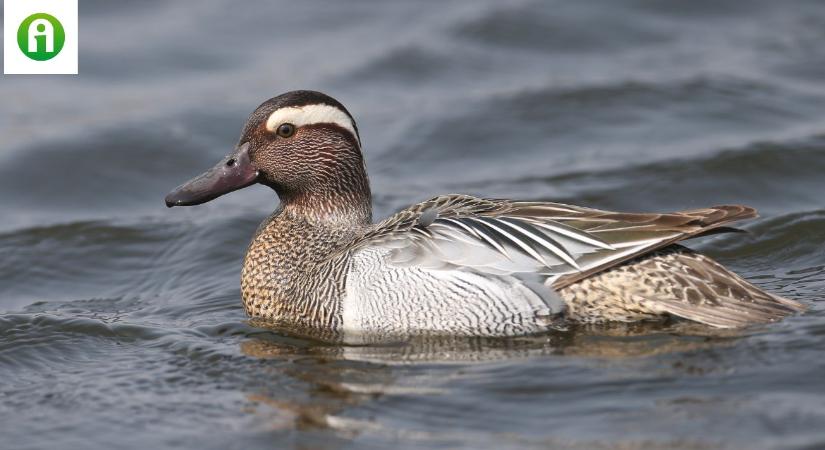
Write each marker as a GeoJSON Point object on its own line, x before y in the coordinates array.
{"type": "Point", "coordinates": [232, 173]}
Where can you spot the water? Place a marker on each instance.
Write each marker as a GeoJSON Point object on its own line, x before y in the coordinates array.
{"type": "Point", "coordinates": [121, 323]}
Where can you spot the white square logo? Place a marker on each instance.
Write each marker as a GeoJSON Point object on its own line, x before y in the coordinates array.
{"type": "Point", "coordinates": [40, 36]}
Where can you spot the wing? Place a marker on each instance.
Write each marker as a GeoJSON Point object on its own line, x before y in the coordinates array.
{"type": "Point", "coordinates": [558, 243]}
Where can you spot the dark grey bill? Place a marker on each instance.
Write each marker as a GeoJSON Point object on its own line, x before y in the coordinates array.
{"type": "Point", "coordinates": [232, 173]}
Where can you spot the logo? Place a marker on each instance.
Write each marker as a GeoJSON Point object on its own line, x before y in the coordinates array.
{"type": "Point", "coordinates": [41, 37]}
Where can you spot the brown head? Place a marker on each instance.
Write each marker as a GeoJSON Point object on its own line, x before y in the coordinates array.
{"type": "Point", "coordinates": [304, 145]}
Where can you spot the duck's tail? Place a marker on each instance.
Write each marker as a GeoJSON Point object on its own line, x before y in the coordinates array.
{"type": "Point", "coordinates": [679, 282]}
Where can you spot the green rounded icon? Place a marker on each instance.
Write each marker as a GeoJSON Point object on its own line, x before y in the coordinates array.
{"type": "Point", "coordinates": [41, 37]}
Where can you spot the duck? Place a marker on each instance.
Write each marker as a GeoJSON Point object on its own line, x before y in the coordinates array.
{"type": "Point", "coordinates": [455, 264]}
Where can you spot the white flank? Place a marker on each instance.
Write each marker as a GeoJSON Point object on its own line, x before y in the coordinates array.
{"type": "Point", "coordinates": [309, 115]}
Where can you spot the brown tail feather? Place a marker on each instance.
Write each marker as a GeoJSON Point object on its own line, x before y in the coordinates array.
{"type": "Point", "coordinates": [686, 224]}
{"type": "Point", "coordinates": [718, 215]}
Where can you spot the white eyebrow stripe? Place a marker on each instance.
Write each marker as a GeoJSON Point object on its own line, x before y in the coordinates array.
{"type": "Point", "coordinates": [309, 115]}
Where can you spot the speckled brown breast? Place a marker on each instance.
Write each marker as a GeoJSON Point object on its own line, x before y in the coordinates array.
{"type": "Point", "coordinates": [287, 275]}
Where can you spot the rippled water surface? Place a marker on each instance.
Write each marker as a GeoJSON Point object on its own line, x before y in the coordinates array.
{"type": "Point", "coordinates": [120, 320]}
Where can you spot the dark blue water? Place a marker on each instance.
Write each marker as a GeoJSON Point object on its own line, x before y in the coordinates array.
{"type": "Point", "coordinates": [120, 320]}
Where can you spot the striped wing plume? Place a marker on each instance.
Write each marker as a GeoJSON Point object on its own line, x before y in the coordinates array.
{"type": "Point", "coordinates": [562, 243]}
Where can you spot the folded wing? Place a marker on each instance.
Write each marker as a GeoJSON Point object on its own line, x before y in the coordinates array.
{"type": "Point", "coordinates": [558, 243]}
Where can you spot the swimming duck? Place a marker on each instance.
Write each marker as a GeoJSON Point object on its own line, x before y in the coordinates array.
{"type": "Point", "coordinates": [454, 264]}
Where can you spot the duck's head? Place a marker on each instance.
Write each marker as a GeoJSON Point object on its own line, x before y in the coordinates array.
{"type": "Point", "coordinates": [303, 144]}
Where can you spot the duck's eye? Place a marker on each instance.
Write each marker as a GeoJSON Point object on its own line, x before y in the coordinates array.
{"type": "Point", "coordinates": [286, 130]}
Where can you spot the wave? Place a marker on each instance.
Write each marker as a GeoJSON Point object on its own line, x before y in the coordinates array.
{"type": "Point", "coordinates": [774, 176]}
{"type": "Point", "coordinates": [560, 28]}
{"type": "Point", "coordinates": [185, 259]}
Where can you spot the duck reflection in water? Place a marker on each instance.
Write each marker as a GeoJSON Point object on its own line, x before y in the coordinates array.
{"type": "Point", "coordinates": [344, 377]}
